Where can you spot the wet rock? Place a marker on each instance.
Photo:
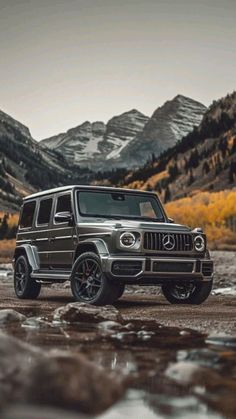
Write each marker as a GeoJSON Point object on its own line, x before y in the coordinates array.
{"type": "Point", "coordinates": [229, 341]}
{"type": "Point", "coordinates": [183, 372]}
{"type": "Point", "coordinates": [16, 359]}
{"type": "Point", "coordinates": [206, 383]}
{"type": "Point", "coordinates": [109, 327]}
{"type": "Point", "coordinates": [82, 312]}
{"type": "Point", "coordinates": [203, 357]}
{"type": "Point", "coordinates": [26, 411]}
{"type": "Point", "coordinates": [10, 316]}
{"type": "Point", "coordinates": [54, 378]}
{"type": "Point", "coordinates": [36, 323]}
{"type": "Point", "coordinates": [71, 381]}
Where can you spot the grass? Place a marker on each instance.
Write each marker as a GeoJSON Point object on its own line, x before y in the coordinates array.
{"type": "Point", "coordinates": [6, 250]}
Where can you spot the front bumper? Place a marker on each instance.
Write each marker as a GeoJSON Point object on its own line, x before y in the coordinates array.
{"type": "Point", "coordinates": [157, 270]}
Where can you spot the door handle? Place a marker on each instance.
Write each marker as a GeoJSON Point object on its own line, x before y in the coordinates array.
{"type": "Point", "coordinates": [52, 239]}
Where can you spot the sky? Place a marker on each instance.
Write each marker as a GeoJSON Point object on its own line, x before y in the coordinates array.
{"type": "Point", "coordinates": [63, 62]}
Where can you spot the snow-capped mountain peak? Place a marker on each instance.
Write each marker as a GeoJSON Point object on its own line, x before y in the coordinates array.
{"type": "Point", "coordinates": [129, 139]}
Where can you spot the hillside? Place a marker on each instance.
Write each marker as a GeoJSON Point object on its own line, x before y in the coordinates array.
{"type": "Point", "coordinates": [129, 139]}
{"type": "Point", "coordinates": [203, 160]}
{"type": "Point", "coordinates": [215, 212]}
{"type": "Point", "coordinates": [26, 166]}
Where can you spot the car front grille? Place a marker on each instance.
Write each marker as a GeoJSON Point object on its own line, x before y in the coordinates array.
{"type": "Point", "coordinates": [176, 242]}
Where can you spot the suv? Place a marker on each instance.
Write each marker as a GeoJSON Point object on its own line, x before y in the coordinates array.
{"type": "Point", "coordinates": [104, 238]}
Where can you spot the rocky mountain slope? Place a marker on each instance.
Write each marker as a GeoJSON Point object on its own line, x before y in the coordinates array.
{"type": "Point", "coordinates": [25, 166]}
{"type": "Point", "coordinates": [168, 124]}
{"type": "Point", "coordinates": [204, 160]}
{"type": "Point", "coordinates": [129, 139]}
{"type": "Point", "coordinates": [92, 144]}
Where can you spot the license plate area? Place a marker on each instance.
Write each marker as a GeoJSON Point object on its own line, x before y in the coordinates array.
{"type": "Point", "coordinates": [172, 267]}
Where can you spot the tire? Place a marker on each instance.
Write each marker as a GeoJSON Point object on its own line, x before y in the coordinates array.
{"type": "Point", "coordinates": [25, 286]}
{"type": "Point", "coordinates": [89, 284]}
{"type": "Point", "coordinates": [120, 290]}
{"type": "Point", "coordinates": [183, 294]}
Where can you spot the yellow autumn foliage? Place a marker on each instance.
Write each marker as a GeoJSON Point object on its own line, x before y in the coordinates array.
{"type": "Point", "coordinates": [215, 212]}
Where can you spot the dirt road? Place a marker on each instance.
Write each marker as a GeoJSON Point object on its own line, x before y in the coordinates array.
{"type": "Point", "coordinates": [216, 315]}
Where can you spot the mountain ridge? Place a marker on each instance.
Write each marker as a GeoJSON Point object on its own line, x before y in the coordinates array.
{"type": "Point", "coordinates": [130, 138]}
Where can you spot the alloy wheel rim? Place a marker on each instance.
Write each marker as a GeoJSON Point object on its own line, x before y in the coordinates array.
{"type": "Point", "coordinates": [182, 292]}
{"type": "Point", "coordinates": [88, 279]}
{"type": "Point", "coordinates": [20, 276]}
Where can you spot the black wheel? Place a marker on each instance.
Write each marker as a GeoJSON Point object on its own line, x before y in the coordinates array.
{"type": "Point", "coordinates": [25, 286]}
{"type": "Point", "coordinates": [120, 290]}
{"type": "Point", "coordinates": [184, 293]}
{"type": "Point", "coordinates": [89, 284]}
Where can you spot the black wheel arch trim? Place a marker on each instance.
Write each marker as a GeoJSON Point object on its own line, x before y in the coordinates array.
{"type": "Point", "coordinates": [30, 252]}
{"type": "Point", "coordinates": [97, 246]}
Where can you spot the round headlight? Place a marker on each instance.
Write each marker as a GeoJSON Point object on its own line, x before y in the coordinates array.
{"type": "Point", "coordinates": [199, 243]}
{"type": "Point", "coordinates": [127, 239]}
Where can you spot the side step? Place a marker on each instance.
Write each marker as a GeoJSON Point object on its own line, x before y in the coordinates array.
{"type": "Point", "coordinates": [50, 276]}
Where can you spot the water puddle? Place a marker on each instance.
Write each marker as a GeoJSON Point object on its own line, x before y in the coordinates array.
{"type": "Point", "coordinates": [170, 372]}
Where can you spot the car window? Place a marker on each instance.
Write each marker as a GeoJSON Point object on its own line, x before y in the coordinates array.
{"type": "Point", "coordinates": [44, 213]}
{"type": "Point", "coordinates": [64, 203]}
{"type": "Point", "coordinates": [119, 205]}
{"type": "Point", "coordinates": [27, 215]}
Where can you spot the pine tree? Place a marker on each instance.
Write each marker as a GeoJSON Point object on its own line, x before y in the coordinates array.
{"type": "Point", "coordinates": [4, 227]}
{"type": "Point", "coordinates": [205, 168]}
{"type": "Point", "coordinates": [167, 195]}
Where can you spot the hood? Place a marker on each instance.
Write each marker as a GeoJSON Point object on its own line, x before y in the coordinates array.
{"type": "Point", "coordinates": [144, 225]}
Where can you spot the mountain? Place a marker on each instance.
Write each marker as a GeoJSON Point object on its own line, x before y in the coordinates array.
{"type": "Point", "coordinates": [204, 160]}
{"type": "Point", "coordinates": [168, 124]}
{"type": "Point", "coordinates": [130, 139]}
{"type": "Point", "coordinates": [27, 167]}
{"type": "Point", "coordinates": [95, 144]}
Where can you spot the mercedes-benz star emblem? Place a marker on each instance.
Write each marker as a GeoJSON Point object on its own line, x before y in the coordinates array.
{"type": "Point", "coordinates": [168, 242]}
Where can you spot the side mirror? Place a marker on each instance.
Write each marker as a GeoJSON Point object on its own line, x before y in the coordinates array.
{"type": "Point", "coordinates": [64, 217]}
{"type": "Point", "coordinates": [170, 220]}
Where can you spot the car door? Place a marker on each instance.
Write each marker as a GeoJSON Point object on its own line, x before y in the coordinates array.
{"type": "Point", "coordinates": [41, 235]}
{"type": "Point", "coordinates": [61, 239]}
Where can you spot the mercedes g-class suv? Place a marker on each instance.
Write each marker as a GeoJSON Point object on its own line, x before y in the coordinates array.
{"type": "Point", "coordinates": [104, 238]}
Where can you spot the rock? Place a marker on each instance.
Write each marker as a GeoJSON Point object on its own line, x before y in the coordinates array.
{"type": "Point", "coordinates": [82, 312]}
{"type": "Point", "coordinates": [109, 327]}
{"type": "Point", "coordinates": [55, 378]}
{"type": "Point", "coordinates": [16, 359]}
{"type": "Point", "coordinates": [225, 291]}
{"type": "Point", "coordinates": [36, 323]}
{"type": "Point", "coordinates": [71, 381]}
{"type": "Point", "coordinates": [10, 316]}
{"type": "Point", "coordinates": [6, 273]}
{"type": "Point", "coordinates": [229, 341]}
{"type": "Point", "coordinates": [183, 372]}
{"type": "Point", "coordinates": [202, 356]}
{"type": "Point", "coordinates": [26, 411]}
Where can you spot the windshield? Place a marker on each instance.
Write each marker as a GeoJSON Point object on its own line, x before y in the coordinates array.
{"type": "Point", "coordinates": [119, 205]}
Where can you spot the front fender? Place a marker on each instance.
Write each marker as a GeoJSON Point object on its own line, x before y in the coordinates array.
{"type": "Point", "coordinates": [95, 245]}
{"type": "Point", "coordinates": [101, 246]}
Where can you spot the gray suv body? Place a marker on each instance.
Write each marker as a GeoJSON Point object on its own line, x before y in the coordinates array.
{"type": "Point", "coordinates": [103, 238]}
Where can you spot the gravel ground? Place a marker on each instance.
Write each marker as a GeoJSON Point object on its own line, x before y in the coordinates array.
{"type": "Point", "coordinates": [216, 315]}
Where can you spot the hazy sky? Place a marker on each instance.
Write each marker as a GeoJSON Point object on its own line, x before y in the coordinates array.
{"type": "Point", "coordinates": [66, 61]}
